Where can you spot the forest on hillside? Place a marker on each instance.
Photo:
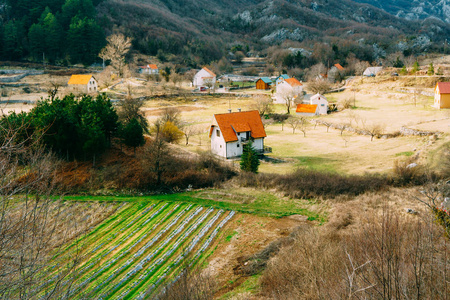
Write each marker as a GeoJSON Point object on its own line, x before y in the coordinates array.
{"type": "Point", "coordinates": [194, 33]}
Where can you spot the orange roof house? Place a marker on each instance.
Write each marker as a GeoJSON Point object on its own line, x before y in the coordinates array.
{"type": "Point", "coordinates": [149, 69]}
{"type": "Point", "coordinates": [83, 83]}
{"type": "Point", "coordinates": [230, 131]}
{"type": "Point", "coordinates": [307, 109]}
{"type": "Point", "coordinates": [293, 82]}
{"type": "Point", "coordinates": [339, 67]}
{"type": "Point", "coordinates": [442, 95]}
{"type": "Point", "coordinates": [79, 79]}
{"type": "Point", "coordinates": [204, 77]}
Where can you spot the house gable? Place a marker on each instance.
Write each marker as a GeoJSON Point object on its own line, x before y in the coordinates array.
{"type": "Point", "coordinates": [232, 123]}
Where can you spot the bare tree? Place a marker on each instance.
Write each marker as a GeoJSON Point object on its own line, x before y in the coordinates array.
{"type": "Point", "coordinates": [210, 84]}
{"type": "Point", "coordinates": [375, 130]}
{"type": "Point", "coordinates": [318, 86]}
{"type": "Point", "coordinates": [360, 67]}
{"type": "Point", "coordinates": [288, 97]}
{"type": "Point", "coordinates": [263, 104]}
{"type": "Point", "coordinates": [31, 230]}
{"type": "Point", "coordinates": [130, 108]}
{"type": "Point", "coordinates": [115, 51]}
{"type": "Point", "coordinates": [189, 130]}
{"type": "Point", "coordinates": [304, 125]}
{"type": "Point", "coordinates": [294, 122]}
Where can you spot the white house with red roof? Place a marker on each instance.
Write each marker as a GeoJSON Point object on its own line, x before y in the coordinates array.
{"type": "Point", "coordinates": [287, 88]}
{"type": "Point", "coordinates": [229, 132]}
{"type": "Point", "coordinates": [205, 78]}
{"type": "Point", "coordinates": [149, 69]}
{"type": "Point", "coordinates": [442, 95]}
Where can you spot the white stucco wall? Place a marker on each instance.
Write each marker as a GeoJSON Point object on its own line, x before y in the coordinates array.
{"type": "Point", "coordinates": [322, 103]}
{"type": "Point", "coordinates": [92, 86]}
{"type": "Point", "coordinates": [218, 146]}
{"type": "Point", "coordinates": [201, 76]}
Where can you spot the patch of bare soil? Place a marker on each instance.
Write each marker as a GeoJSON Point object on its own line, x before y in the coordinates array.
{"type": "Point", "coordinates": [181, 108]}
{"type": "Point", "coordinates": [245, 236]}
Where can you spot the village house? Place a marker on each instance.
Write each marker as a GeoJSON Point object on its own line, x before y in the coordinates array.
{"type": "Point", "coordinates": [263, 83]}
{"type": "Point", "coordinates": [335, 73]}
{"type": "Point", "coordinates": [229, 132]}
{"type": "Point", "coordinates": [307, 110]}
{"type": "Point", "coordinates": [204, 78]}
{"type": "Point", "coordinates": [151, 69]}
{"type": "Point", "coordinates": [83, 84]}
{"type": "Point", "coordinates": [372, 71]}
{"type": "Point", "coordinates": [281, 78]}
{"type": "Point", "coordinates": [321, 102]}
{"type": "Point", "coordinates": [288, 88]}
{"type": "Point", "coordinates": [442, 95]}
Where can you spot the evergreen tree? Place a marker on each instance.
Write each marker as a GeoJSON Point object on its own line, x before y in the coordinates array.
{"type": "Point", "coordinates": [398, 63]}
{"type": "Point", "coordinates": [76, 8]}
{"type": "Point", "coordinates": [85, 39]}
{"type": "Point", "coordinates": [133, 134]}
{"type": "Point", "coordinates": [403, 71]}
{"type": "Point", "coordinates": [13, 36]}
{"type": "Point", "coordinates": [431, 69]}
{"type": "Point", "coordinates": [415, 67]}
{"type": "Point", "coordinates": [249, 159]}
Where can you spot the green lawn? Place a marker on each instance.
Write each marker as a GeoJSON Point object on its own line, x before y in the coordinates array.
{"type": "Point", "coordinates": [241, 200]}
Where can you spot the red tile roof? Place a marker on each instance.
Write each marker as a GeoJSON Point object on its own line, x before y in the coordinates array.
{"type": "Point", "coordinates": [293, 82]}
{"type": "Point", "coordinates": [306, 108]}
{"type": "Point", "coordinates": [209, 71]}
{"type": "Point", "coordinates": [151, 66]}
{"type": "Point", "coordinates": [339, 67]}
{"type": "Point", "coordinates": [231, 123]}
{"type": "Point", "coordinates": [444, 87]}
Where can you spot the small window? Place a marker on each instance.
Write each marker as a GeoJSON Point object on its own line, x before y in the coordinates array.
{"type": "Point", "coordinates": [220, 146]}
{"type": "Point", "coordinates": [322, 104]}
{"type": "Point", "coordinates": [238, 145]}
{"type": "Point", "coordinates": [218, 132]}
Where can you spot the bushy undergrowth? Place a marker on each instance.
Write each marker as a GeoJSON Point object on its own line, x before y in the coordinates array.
{"type": "Point", "coordinates": [308, 183]}
{"type": "Point", "coordinates": [387, 257]}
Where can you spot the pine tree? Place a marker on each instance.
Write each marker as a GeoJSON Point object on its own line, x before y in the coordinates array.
{"type": "Point", "coordinates": [133, 134]}
{"type": "Point", "coordinates": [431, 69]}
{"type": "Point", "coordinates": [415, 67]}
{"type": "Point", "coordinates": [249, 159]}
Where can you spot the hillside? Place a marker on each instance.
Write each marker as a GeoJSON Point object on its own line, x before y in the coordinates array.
{"type": "Point", "coordinates": [203, 30]}
{"type": "Point", "coordinates": [200, 32]}
{"type": "Point", "coordinates": [414, 10]}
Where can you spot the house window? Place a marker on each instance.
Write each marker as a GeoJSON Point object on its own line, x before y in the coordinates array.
{"type": "Point", "coordinates": [237, 145]}
{"type": "Point", "coordinates": [322, 104]}
{"type": "Point", "coordinates": [218, 132]}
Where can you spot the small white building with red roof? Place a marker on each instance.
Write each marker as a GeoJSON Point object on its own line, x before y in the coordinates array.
{"type": "Point", "coordinates": [149, 69]}
{"type": "Point", "coordinates": [229, 132]}
{"type": "Point", "coordinates": [204, 78]}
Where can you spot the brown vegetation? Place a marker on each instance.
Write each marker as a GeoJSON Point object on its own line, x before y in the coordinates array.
{"type": "Point", "coordinates": [386, 257]}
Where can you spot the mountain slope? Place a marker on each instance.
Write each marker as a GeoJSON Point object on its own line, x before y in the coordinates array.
{"type": "Point", "coordinates": [414, 10]}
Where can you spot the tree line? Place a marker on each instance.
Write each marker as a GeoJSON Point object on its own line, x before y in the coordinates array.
{"type": "Point", "coordinates": [57, 31]}
{"type": "Point", "coordinates": [72, 128]}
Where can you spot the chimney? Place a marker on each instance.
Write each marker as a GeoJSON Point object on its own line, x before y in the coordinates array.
{"type": "Point", "coordinates": [229, 111]}
{"type": "Point", "coordinates": [239, 110]}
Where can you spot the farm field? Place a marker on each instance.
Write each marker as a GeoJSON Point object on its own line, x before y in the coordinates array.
{"type": "Point", "coordinates": [139, 249]}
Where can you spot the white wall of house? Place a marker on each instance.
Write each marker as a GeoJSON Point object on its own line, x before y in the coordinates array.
{"type": "Point", "coordinates": [307, 114]}
{"type": "Point", "coordinates": [149, 71]}
{"type": "Point", "coordinates": [321, 102]}
{"type": "Point", "coordinates": [234, 149]}
{"type": "Point", "coordinates": [284, 90]}
{"type": "Point", "coordinates": [92, 86]}
{"type": "Point", "coordinates": [218, 145]}
{"type": "Point", "coordinates": [202, 77]}
{"type": "Point", "coordinates": [258, 144]}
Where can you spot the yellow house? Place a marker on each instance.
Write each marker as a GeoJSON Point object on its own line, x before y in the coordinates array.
{"type": "Point", "coordinates": [442, 95]}
{"type": "Point", "coordinates": [83, 83]}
